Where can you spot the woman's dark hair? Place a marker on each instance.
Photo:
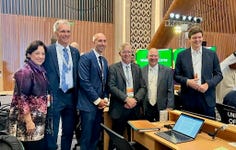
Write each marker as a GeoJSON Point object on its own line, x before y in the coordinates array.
{"type": "Point", "coordinates": [33, 47]}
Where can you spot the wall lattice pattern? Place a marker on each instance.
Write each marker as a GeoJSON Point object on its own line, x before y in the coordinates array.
{"type": "Point", "coordinates": [84, 10]}
{"type": "Point", "coordinates": [140, 23]}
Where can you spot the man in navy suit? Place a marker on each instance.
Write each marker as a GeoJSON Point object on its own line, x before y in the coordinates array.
{"type": "Point", "coordinates": [93, 94]}
{"type": "Point", "coordinates": [61, 64]}
{"type": "Point", "coordinates": [159, 80]}
{"type": "Point", "coordinates": [198, 71]}
{"type": "Point", "coordinates": [127, 89]}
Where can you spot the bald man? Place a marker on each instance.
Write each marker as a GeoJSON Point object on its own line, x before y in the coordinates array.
{"type": "Point", "coordinates": [159, 81]}
{"type": "Point", "coordinates": [93, 94]}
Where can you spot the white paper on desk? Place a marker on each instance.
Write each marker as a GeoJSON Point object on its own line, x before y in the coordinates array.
{"type": "Point", "coordinates": [227, 61]}
{"type": "Point", "coordinates": [232, 144]}
{"type": "Point", "coordinates": [163, 115]}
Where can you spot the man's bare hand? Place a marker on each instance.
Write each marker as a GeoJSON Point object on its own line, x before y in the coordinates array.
{"type": "Point", "coordinates": [130, 103]}
{"type": "Point", "coordinates": [193, 83]}
{"type": "Point", "coordinates": [103, 103]}
{"type": "Point", "coordinates": [203, 88]}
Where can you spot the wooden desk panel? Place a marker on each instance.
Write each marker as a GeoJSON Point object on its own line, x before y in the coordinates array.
{"type": "Point", "coordinates": [147, 141]}
{"type": "Point", "coordinates": [205, 142]}
{"type": "Point", "coordinates": [202, 141]}
{"type": "Point", "coordinates": [6, 93]}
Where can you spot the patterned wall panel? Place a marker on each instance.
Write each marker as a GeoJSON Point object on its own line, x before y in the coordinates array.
{"type": "Point", "coordinates": [84, 10]}
{"type": "Point", "coordinates": [140, 23]}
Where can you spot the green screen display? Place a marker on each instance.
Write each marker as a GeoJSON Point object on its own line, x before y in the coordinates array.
{"type": "Point", "coordinates": [141, 57]}
{"type": "Point", "coordinates": [175, 54]}
{"type": "Point", "coordinates": [213, 48]}
{"type": "Point", "coordinates": [165, 57]}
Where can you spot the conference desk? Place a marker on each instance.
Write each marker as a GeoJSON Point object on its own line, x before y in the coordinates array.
{"type": "Point", "coordinates": [202, 142]}
{"type": "Point", "coordinates": [3, 93]}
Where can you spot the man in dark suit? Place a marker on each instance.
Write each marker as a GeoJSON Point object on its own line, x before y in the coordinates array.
{"type": "Point", "coordinates": [93, 94]}
{"type": "Point", "coordinates": [159, 80]}
{"type": "Point", "coordinates": [198, 71]}
{"type": "Point", "coordinates": [127, 89]}
{"type": "Point", "coordinates": [61, 64]}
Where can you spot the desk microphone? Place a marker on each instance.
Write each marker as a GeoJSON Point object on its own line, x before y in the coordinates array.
{"type": "Point", "coordinates": [222, 128]}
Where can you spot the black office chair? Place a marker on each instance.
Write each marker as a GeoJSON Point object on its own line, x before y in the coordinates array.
{"type": "Point", "coordinates": [119, 141]}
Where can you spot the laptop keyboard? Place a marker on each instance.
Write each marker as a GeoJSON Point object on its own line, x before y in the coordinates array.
{"type": "Point", "coordinates": [178, 136]}
{"type": "Point", "coordinates": [173, 136]}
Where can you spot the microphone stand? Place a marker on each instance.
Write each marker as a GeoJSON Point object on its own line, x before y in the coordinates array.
{"type": "Point", "coordinates": [222, 128]}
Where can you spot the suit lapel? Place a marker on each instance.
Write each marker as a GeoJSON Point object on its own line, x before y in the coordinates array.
{"type": "Point", "coordinates": [133, 72]}
{"type": "Point", "coordinates": [204, 65]}
{"type": "Point", "coordinates": [95, 62]}
{"type": "Point", "coordinates": [120, 69]}
{"type": "Point", "coordinates": [160, 75]}
{"type": "Point", "coordinates": [146, 74]}
{"type": "Point", "coordinates": [55, 60]}
{"type": "Point", "coordinates": [189, 61]}
{"type": "Point", "coordinates": [105, 68]}
{"type": "Point", "coordinates": [73, 61]}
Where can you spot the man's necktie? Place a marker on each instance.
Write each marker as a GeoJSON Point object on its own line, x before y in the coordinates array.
{"type": "Point", "coordinates": [128, 76]}
{"type": "Point", "coordinates": [152, 87]}
{"type": "Point", "coordinates": [129, 81]}
{"type": "Point", "coordinates": [65, 68]}
{"type": "Point", "coordinates": [100, 61]}
{"type": "Point", "coordinates": [102, 73]}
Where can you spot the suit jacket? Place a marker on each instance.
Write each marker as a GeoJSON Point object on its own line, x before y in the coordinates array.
{"type": "Point", "coordinates": [117, 88]}
{"type": "Point", "coordinates": [53, 73]}
{"type": "Point", "coordinates": [91, 81]}
{"type": "Point", "coordinates": [165, 87]}
{"type": "Point", "coordinates": [211, 74]}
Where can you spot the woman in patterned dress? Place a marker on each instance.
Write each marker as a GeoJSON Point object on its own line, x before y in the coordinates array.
{"type": "Point", "coordinates": [29, 103]}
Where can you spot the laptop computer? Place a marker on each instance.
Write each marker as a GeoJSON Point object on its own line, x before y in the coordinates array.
{"type": "Point", "coordinates": [185, 129]}
{"type": "Point", "coordinates": [227, 113]}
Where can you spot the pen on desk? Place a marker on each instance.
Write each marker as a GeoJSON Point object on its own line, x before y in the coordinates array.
{"type": "Point", "coordinates": [168, 126]}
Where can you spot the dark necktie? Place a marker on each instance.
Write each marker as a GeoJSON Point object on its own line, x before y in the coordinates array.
{"type": "Point", "coordinates": [102, 73]}
{"type": "Point", "coordinates": [65, 68]}
{"type": "Point", "coordinates": [101, 65]}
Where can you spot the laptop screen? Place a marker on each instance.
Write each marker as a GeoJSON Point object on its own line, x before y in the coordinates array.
{"type": "Point", "coordinates": [188, 125]}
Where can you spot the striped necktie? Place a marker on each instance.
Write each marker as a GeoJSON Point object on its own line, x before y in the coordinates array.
{"type": "Point", "coordinates": [65, 68]}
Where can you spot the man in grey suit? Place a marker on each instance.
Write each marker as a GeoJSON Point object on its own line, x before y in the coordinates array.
{"type": "Point", "coordinates": [127, 90]}
{"type": "Point", "coordinates": [198, 71]}
{"type": "Point", "coordinates": [159, 81]}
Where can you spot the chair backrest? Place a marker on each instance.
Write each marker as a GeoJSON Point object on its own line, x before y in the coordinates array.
{"type": "Point", "coordinates": [119, 141]}
{"type": "Point", "coordinates": [8, 142]}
